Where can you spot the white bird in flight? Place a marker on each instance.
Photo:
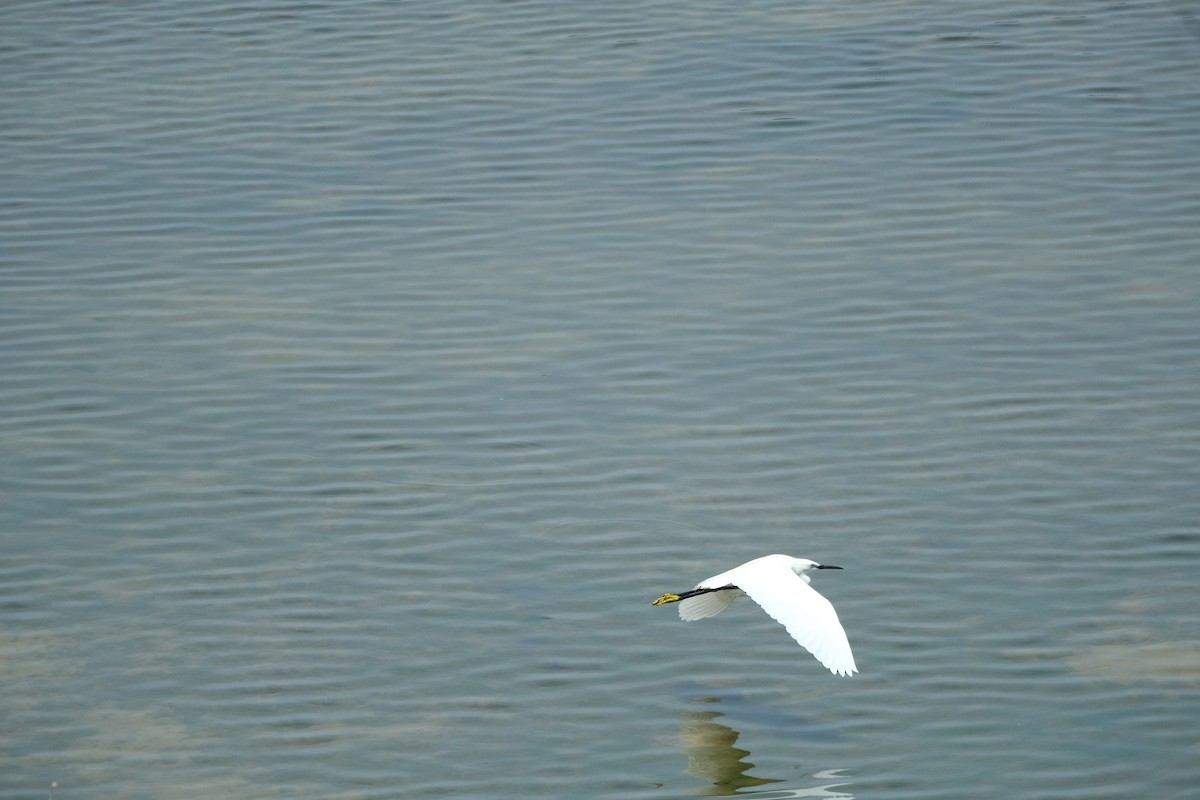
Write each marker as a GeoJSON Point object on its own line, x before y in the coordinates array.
{"type": "Point", "coordinates": [779, 584]}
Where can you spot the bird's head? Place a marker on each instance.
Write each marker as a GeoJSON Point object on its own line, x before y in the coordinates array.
{"type": "Point", "coordinates": [803, 565]}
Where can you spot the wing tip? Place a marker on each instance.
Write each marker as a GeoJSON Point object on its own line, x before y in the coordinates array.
{"type": "Point", "coordinates": [843, 670]}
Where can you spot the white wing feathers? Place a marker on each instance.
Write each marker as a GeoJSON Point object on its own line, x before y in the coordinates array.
{"type": "Point", "coordinates": [707, 605]}
{"type": "Point", "coordinates": [806, 615]}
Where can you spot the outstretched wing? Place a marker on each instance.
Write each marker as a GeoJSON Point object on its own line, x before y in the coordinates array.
{"type": "Point", "coordinates": [707, 605]}
{"type": "Point", "coordinates": [806, 615]}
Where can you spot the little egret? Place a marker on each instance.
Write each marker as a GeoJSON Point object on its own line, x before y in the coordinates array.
{"type": "Point", "coordinates": [779, 584]}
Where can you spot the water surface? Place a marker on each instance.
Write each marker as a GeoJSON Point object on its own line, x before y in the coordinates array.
{"type": "Point", "coordinates": [370, 367]}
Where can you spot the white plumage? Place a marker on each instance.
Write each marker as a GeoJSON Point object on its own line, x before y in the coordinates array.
{"type": "Point", "coordinates": [779, 584]}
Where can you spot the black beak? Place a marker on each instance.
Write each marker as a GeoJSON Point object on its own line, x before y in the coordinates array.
{"type": "Point", "coordinates": [827, 566]}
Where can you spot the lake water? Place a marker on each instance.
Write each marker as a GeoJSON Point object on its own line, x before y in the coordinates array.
{"type": "Point", "coordinates": [369, 367]}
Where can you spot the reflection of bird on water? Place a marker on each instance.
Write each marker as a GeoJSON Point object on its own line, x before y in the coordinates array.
{"type": "Point", "coordinates": [829, 791]}
{"type": "Point", "coordinates": [712, 755]}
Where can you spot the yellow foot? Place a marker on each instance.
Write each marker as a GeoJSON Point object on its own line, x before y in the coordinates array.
{"type": "Point", "coordinates": [666, 598]}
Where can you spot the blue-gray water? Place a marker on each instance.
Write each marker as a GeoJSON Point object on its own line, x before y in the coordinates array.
{"type": "Point", "coordinates": [369, 367]}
